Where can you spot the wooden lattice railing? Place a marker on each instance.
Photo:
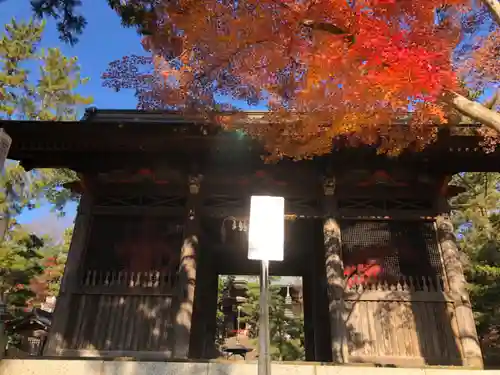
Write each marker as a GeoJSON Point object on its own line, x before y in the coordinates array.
{"type": "Point", "coordinates": [96, 281]}
{"type": "Point", "coordinates": [123, 312]}
{"type": "Point", "coordinates": [357, 283]}
{"type": "Point", "coordinates": [410, 321]}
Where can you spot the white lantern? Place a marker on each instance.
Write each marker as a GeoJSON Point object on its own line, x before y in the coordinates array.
{"type": "Point", "coordinates": [266, 230]}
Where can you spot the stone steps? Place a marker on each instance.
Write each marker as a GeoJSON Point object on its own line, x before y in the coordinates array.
{"type": "Point", "coordinates": [117, 367]}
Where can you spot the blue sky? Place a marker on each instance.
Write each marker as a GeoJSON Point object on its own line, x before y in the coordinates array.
{"type": "Point", "coordinates": [103, 41]}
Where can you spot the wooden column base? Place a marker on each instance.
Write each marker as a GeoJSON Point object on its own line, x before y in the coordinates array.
{"type": "Point", "coordinates": [56, 340]}
{"type": "Point", "coordinates": [467, 334]}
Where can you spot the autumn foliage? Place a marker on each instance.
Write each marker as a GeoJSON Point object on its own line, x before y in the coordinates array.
{"type": "Point", "coordinates": [325, 68]}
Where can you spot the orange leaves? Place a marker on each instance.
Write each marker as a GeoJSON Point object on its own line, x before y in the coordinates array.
{"type": "Point", "coordinates": [485, 61]}
{"type": "Point", "coordinates": [327, 67]}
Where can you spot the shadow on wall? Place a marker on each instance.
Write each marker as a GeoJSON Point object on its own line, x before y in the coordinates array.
{"type": "Point", "coordinates": [401, 321]}
{"type": "Point", "coordinates": [400, 327]}
{"type": "Point", "coordinates": [120, 314]}
{"type": "Point", "coordinates": [127, 315]}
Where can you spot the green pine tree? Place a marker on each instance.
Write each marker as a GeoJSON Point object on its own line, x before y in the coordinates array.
{"type": "Point", "coordinates": [286, 332]}
{"type": "Point", "coordinates": [224, 284]}
{"type": "Point", "coordinates": [36, 84]}
{"type": "Point", "coordinates": [45, 93]}
{"type": "Point", "coordinates": [71, 23]}
{"type": "Point", "coordinates": [17, 45]}
{"type": "Point", "coordinates": [20, 262]}
{"type": "Point", "coordinates": [477, 221]}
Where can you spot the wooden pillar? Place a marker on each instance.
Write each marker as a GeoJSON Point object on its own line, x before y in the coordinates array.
{"type": "Point", "coordinates": [187, 272]}
{"type": "Point", "coordinates": [71, 278]}
{"type": "Point", "coordinates": [471, 350]}
{"type": "Point", "coordinates": [323, 328]}
{"type": "Point", "coordinates": [334, 275]}
{"type": "Point", "coordinates": [205, 305]}
{"type": "Point", "coordinates": [209, 349]}
{"type": "Point", "coordinates": [309, 321]}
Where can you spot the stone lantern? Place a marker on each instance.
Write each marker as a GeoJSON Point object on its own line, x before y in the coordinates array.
{"type": "Point", "coordinates": [288, 303]}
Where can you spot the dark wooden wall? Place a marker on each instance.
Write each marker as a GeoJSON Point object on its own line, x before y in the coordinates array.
{"type": "Point", "coordinates": [127, 294]}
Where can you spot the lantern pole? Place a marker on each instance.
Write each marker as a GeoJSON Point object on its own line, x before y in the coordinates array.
{"type": "Point", "coordinates": [266, 243]}
{"type": "Point", "coordinates": [264, 336]}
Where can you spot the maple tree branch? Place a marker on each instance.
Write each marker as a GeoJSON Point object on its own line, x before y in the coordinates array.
{"type": "Point", "coordinates": [474, 110]}
{"type": "Point", "coordinates": [324, 26]}
{"type": "Point", "coordinates": [494, 8]}
{"type": "Point", "coordinates": [321, 26]}
{"type": "Point", "coordinates": [329, 28]}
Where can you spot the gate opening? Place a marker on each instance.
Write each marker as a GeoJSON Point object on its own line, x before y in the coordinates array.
{"type": "Point", "coordinates": [237, 332]}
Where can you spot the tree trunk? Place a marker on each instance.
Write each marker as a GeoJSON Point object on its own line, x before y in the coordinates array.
{"type": "Point", "coordinates": [494, 8]}
{"type": "Point", "coordinates": [475, 111]}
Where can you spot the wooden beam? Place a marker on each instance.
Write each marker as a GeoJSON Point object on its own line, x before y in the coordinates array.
{"type": "Point", "coordinates": [139, 211]}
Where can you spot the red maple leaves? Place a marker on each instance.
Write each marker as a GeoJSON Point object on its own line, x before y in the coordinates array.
{"type": "Point", "coordinates": [336, 67]}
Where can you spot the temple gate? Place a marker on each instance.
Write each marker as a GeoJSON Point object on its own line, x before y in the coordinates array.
{"type": "Point", "coordinates": [163, 212]}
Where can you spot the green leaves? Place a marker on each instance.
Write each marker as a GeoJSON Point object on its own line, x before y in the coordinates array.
{"type": "Point", "coordinates": [69, 24]}
{"type": "Point", "coordinates": [477, 221]}
{"type": "Point", "coordinates": [20, 262]}
{"type": "Point", "coordinates": [20, 40]}
{"type": "Point", "coordinates": [52, 94]}
{"type": "Point", "coordinates": [59, 79]}
{"type": "Point", "coordinates": [30, 268]}
{"type": "Point", "coordinates": [286, 332]}
{"type": "Point", "coordinates": [20, 190]}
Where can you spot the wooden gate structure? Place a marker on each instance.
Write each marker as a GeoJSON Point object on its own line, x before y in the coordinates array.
{"type": "Point", "coordinates": [164, 208]}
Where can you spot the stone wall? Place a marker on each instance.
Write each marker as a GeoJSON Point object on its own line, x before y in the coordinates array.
{"type": "Point", "coordinates": [98, 367]}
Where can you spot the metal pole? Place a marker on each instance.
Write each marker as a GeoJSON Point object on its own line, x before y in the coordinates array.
{"type": "Point", "coordinates": [264, 337]}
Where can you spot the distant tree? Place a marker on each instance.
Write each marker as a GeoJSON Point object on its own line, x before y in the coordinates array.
{"type": "Point", "coordinates": [50, 93]}
{"type": "Point", "coordinates": [20, 262]}
{"type": "Point", "coordinates": [286, 331]}
{"type": "Point", "coordinates": [223, 288]}
{"type": "Point", "coordinates": [47, 283]}
{"type": "Point", "coordinates": [220, 331]}
{"type": "Point", "coordinates": [30, 271]}
{"type": "Point", "coordinates": [70, 24]}
{"type": "Point", "coordinates": [477, 221]}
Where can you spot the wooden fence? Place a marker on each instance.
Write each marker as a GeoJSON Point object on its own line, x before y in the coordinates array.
{"type": "Point", "coordinates": [411, 322]}
{"type": "Point", "coordinates": [122, 312]}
